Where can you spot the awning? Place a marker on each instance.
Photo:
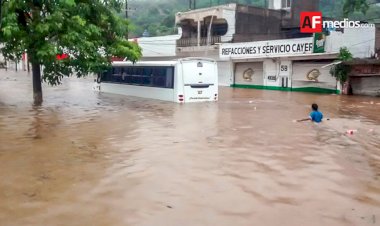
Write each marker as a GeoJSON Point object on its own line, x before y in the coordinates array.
{"type": "Point", "coordinates": [332, 64]}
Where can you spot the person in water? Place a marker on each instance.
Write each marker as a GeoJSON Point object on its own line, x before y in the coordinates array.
{"type": "Point", "coordinates": [315, 115]}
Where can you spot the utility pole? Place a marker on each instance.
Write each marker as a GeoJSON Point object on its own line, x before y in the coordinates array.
{"type": "Point", "coordinates": [126, 9]}
{"type": "Point", "coordinates": [1, 4]}
{"type": "Point", "coordinates": [193, 4]}
{"type": "Point", "coordinates": [126, 16]}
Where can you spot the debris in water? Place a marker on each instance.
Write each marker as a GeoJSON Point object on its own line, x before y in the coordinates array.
{"type": "Point", "coordinates": [30, 195]}
{"type": "Point", "coordinates": [170, 207]}
{"type": "Point", "coordinates": [351, 131]}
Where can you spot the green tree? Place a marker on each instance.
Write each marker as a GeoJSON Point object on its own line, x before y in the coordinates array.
{"type": "Point", "coordinates": [332, 9]}
{"type": "Point", "coordinates": [371, 15]}
{"type": "Point", "coordinates": [143, 17]}
{"type": "Point", "coordinates": [351, 6]}
{"type": "Point", "coordinates": [89, 31]}
{"type": "Point", "coordinates": [341, 70]}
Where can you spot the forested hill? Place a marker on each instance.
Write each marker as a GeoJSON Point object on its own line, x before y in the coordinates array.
{"type": "Point", "coordinates": [157, 16]}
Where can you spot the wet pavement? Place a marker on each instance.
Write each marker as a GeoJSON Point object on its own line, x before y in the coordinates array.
{"type": "Point", "coordinates": [84, 158]}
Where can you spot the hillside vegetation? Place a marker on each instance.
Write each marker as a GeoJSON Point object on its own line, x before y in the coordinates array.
{"type": "Point", "coordinates": [157, 16]}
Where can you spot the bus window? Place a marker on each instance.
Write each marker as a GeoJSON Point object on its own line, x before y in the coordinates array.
{"type": "Point", "coordinates": [128, 71]}
{"type": "Point", "coordinates": [147, 74]}
{"type": "Point", "coordinates": [154, 76]}
{"type": "Point", "coordinates": [158, 80]}
{"type": "Point", "coordinates": [133, 75]}
{"type": "Point", "coordinates": [116, 74]}
{"type": "Point", "coordinates": [169, 77]}
{"type": "Point", "coordinates": [162, 77]}
{"type": "Point", "coordinates": [105, 76]}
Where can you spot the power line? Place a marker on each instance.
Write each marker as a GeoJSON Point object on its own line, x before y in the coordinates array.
{"type": "Point", "coordinates": [362, 42]}
{"type": "Point", "coordinates": [170, 44]}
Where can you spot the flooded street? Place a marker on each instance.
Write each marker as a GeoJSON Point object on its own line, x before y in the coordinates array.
{"type": "Point", "coordinates": [85, 158]}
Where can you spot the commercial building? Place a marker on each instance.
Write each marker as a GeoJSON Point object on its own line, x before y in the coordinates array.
{"type": "Point", "coordinates": [263, 47]}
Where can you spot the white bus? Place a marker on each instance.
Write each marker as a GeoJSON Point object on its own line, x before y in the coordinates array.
{"type": "Point", "coordinates": [182, 81]}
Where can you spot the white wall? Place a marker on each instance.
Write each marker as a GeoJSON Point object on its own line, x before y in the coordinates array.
{"type": "Point", "coordinates": [225, 73]}
{"type": "Point", "coordinates": [360, 41]}
{"type": "Point", "coordinates": [271, 69]}
{"type": "Point", "coordinates": [230, 16]}
{"type": "Point", "coordinates": [275, 4]}
{"type": "Point", "coordinates": [160, 46]}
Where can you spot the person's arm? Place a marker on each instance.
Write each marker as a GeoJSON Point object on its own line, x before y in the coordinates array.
{"type": "Point", "coordinates": [303, 120]}
{"type": "Point", "coordinates": [310, 118]}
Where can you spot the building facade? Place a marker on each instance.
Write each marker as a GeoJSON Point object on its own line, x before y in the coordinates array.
{"type": "Point", "coordinates": [293, 64]}
{"type": "Point", "coordinates": [263, 47]}
{"type": "Point", "coordinates": [364, 77]}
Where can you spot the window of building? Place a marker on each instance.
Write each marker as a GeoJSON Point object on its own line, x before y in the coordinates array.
{"type": "Point", "coordinates": [286, 3]}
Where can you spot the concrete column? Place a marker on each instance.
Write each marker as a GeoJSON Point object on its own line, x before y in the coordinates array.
{"type": "Point", "coordinates": [199, 33]}
{"type": "Point", "coordinates": [339, 87]}
{"type": "Point", "coordinates": [274, 4]}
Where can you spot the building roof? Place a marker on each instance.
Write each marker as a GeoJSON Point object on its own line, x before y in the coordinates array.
{"type": "Point", "coordinates": [363, 62]}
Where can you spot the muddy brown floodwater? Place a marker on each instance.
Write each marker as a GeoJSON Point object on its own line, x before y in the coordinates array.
{"type": "Point", "coordinates": [84, 158]}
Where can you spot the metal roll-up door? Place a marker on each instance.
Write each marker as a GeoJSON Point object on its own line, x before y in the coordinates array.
{"type": "Point", "coordinates": [250, 73]}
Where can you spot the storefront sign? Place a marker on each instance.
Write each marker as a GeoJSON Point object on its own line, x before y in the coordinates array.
{"type": "Point", "coordinates": [313, 75]}
{"type": "Point", "coordinates": [285, 66]}
{"type": "Point", "coordinates": [319, 43]}
{"type": "Point", "coordinates": [247, 74]}
{"type": "Point", "coordinates": [266, 48]}
{"type": "Point", "coordinates": [272, 78]}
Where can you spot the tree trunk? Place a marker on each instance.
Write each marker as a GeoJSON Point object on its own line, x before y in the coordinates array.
{"type": "Point", "coordinates": [37, 88]}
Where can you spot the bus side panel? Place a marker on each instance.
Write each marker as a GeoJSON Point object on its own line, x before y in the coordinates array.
{"type": "Point", "coordinates": [138, 91]}
{"type": "Point", "coordinates": [200, 80]}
